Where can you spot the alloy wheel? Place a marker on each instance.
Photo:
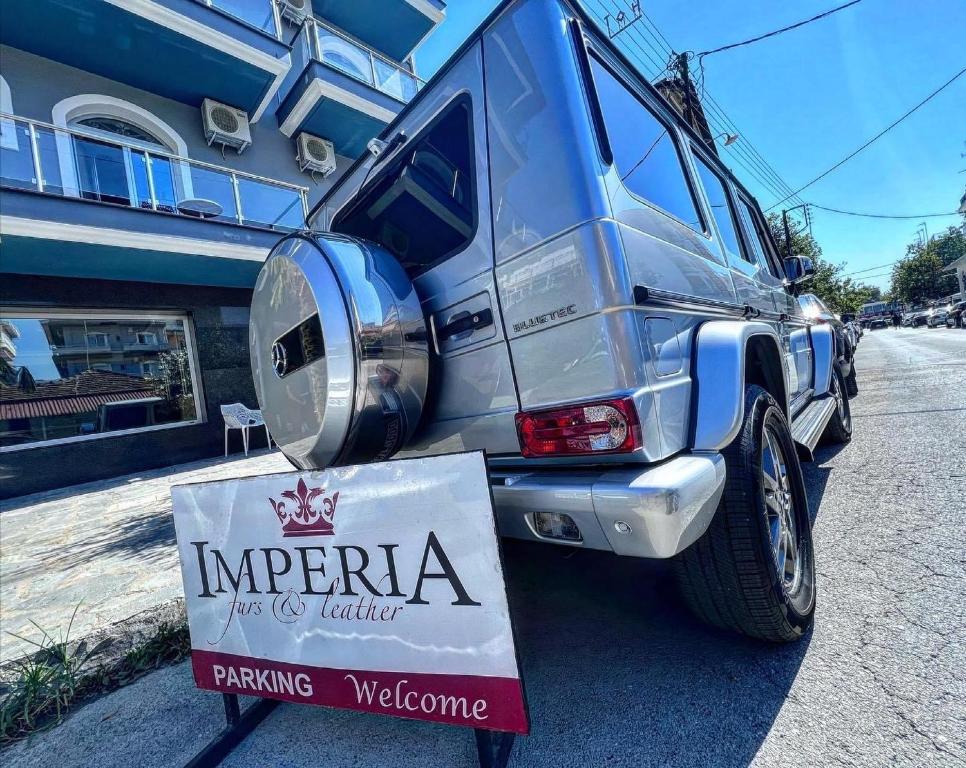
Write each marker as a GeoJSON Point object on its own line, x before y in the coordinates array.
{"type": "Point", "coordinates": [780, 510]}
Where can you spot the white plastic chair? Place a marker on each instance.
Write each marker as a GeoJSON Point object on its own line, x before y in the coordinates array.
{"type": "Point", "coordinates": [237, 416]}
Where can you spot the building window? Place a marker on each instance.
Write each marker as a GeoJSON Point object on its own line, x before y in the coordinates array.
{"type": "Point", "coordinates": [645, 151]}
{"type": "Point", "coordinates": [67, 376]}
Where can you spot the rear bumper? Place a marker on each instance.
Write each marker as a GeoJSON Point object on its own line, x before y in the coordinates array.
{"type": "Point", "coordinates": [654, 512]}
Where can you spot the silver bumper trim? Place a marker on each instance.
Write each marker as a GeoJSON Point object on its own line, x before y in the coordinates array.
{"type": "Point", "coordinates": [663, 509]}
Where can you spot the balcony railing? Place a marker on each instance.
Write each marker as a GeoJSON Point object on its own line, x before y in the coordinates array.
{"type": "Point", "coordinates": [261, 14]}
{"type": "Point", "coordinates": [44, 158]}
{"type": "Point", "coordinates": [336, 50]}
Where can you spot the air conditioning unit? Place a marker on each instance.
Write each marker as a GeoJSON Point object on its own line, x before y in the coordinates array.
{"type": "Point", "coordinates": [225, 125]}
{"type": "Point", "coordinates": [294, 11]}
{"type": "Point", "coordinates": [315, 155]}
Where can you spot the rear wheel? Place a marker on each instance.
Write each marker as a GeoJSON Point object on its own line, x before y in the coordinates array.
{"type": "Point", "coordinates": [753, 571]}
{"type": "Point", "coordinates": [839, 428]}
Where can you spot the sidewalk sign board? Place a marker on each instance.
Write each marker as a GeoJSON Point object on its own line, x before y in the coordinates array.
{"type": "Point", "coordinates": [376, 588]}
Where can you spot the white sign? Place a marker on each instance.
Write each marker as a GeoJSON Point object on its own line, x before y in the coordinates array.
{"type": "Point", "coordinates": [376, 587]}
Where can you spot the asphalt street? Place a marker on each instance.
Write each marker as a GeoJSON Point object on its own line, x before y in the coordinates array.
{"type": "Point", "coordinates": [618, 673]}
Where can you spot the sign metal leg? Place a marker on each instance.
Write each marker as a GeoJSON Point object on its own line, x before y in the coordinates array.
{"type": "Point", "coordinates": [238, 725]}
{"type": "Point", "coordinates": [493, 748]}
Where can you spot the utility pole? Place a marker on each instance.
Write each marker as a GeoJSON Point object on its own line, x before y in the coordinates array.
{"type": "Point", "coordinates": [683, 97]}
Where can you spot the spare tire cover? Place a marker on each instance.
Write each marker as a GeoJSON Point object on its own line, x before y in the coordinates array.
{"type": "Point", "coordinates": [339, 350]}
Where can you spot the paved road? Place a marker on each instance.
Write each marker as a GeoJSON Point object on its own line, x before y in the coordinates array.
{"type": "Point", "coordinates": [619, 675]}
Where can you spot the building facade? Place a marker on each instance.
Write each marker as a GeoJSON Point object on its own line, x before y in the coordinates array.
{"type": "Point", "coordinates": [151, 153]}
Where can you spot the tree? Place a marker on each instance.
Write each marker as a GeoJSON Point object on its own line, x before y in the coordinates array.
{"type": "Point", "coordinates": [840, 294]}
{"type": "Point", "coordinates": [920, 275]}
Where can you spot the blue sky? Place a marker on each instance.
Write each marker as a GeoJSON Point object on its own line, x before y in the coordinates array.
{"type": "Point", "coordinates": [807, 98]}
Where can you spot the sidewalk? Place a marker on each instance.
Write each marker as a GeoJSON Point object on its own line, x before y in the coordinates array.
{"type": "Point", "coordinates": [107, 545]}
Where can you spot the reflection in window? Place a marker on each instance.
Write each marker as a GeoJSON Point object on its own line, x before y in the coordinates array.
{"type": "Point", "coordinates": [720, 208]}
{"type": "Point", "coordinates": [644, 151]}
{"type": "Point", "coordinates": [422, 206]}
{"type": "Point", "coordinates": [755, 236]}
{"type": "Point", "coordinates": [67, 377]}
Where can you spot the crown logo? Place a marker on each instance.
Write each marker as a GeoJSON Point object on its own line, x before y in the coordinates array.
{"type": "Point", "coordinates": [307, 518]}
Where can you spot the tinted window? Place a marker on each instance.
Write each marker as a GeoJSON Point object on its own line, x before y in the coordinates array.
{"type": "Point", "coordinates": [720, 207]}
{"type": "Point", "coordinates": [644, 150]}
{"type": "Point", "coordinates": [422, 206]}
{"type": "Point", "coordinates": [755, 238]}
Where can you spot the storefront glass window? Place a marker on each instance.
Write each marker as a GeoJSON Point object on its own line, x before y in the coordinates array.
{"type": "Point", "coordinates": [68, 377]}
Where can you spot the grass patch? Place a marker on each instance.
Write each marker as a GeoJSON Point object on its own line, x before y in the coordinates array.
{"type": "Point", "coordinates": [60, 674]}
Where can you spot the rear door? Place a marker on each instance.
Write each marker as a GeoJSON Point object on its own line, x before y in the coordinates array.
{"type": "Point", "coordinates": [752, 288]}
{"type": "Point", "coordinates": [428, 203]}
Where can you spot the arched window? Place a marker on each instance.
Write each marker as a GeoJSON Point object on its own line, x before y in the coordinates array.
{"type": "Point", "coordinates": [114, 126]}
{"type": "Point", "coordinates": [116, 153]}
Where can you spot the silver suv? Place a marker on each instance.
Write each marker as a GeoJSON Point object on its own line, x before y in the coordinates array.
{"type": "Point", "coordinates": [540, 259]}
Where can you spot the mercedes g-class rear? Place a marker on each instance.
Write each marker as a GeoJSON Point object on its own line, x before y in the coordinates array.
{"type": "Point", "coordinates": [540, 259]}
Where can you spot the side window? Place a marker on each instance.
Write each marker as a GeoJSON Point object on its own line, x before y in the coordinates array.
{"type": "Point", "coordinates": [755, 237]}
{"type": "Point", "coordinates": [720, 208]}
{"type": "Point", "coordinates": [645, 152]}
{"type": "Point", "coordinates": [422, 207]}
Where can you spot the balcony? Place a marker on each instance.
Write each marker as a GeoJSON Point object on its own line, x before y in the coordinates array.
{"type": "Point", "coordinates": [394, 27]}
{"type": "Point", "coordinates": [341, 90]}
{"type": "Point", "coordinates": [227, 50]}
{"type": "Point", "coordinates": [121, 211]}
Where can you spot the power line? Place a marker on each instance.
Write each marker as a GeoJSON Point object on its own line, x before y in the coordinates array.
{"type": "Point", "coordinates": [879, 135]}
{"type": "Point", "coordinates": [715, 110]}
{"type": "Point", "coordinates": [779, 31]}
{"type": "Point", "coordinates": [747, 156]}
{"type": "Point", "coordinates": [872, 269]}
{"type": "Point", "coordinates": [883, 215]}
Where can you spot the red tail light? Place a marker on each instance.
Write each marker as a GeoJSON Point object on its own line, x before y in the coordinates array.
{"type": "Point", "coordinates": [611, 426]}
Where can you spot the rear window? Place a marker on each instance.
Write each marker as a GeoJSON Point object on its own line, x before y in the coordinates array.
{"type": "Point", "coordinates": [756, 237]}
{"type": "Point", "coordinates": [719, 201]}
{"type": "Point", "coordinates": [645, 152]}
{"type": "Point", "coordinates": [422, 206]}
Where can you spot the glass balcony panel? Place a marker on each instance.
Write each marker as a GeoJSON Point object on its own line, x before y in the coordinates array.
{"type": "Point", "coordinates": [267, 205]}
{"type": "Point", "coordinates": [16, 155]}
{"type": "Point", "coordinates": [165, 192]}
{"type": "Point", "coordinates": [82, 166]}
{"type": "Point", "coordinates": [397, 82]}
{"type": "Point", "coordinates": [205, 193]}
{"type": "Point", "coordinates": [101, 172]}
{"type": "Point", "coordinates": [139, 170]}
{"type": "Point", "coordinates": [257, 13]}
{"type": "Point", "coordinates": [344, 55]}
{"type": "Point", "coordinates": [54, 149]}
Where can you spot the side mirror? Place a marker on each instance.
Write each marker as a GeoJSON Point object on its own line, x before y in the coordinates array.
{"type": "Point", "coordinates": [797, 268]}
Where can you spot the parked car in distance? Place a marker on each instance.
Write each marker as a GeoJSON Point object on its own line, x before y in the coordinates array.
{"type": "Point", "coordinates": [850, 322]}
{"type": "Point", "coordinates": [916, 318]}
{"type": "Point", "coordinates": [956, 316]}
{"type": "Point", "coordinates": [937, 316]}
{"type": "Point", "coordinates": [619, 332]}
{"type": "Point", "coordinates": [816, 311]}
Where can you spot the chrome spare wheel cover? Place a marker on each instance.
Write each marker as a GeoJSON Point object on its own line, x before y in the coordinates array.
{"type": "Point", "coordinates": [339, 350]}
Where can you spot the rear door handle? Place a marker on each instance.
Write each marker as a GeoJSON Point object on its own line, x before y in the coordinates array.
{"type": "Point", "coordinates": [465, 323]}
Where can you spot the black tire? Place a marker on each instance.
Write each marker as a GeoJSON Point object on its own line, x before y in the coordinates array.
{"type": "Point", "coordinates": [839, 427]}
{"type": "Point", "coordinates": [731, 576]}
{"type": "Point", "coordinates": [851, 382]}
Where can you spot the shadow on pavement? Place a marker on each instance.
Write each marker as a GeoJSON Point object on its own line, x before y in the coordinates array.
{"type": "Point", "coordinates": [617, 672]}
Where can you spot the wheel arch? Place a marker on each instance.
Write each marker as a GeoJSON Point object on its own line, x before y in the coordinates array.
{"type": "Point", "coordinates": [727, 356]}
